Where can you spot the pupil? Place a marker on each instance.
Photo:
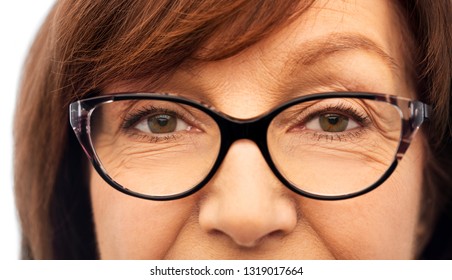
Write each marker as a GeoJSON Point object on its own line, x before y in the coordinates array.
{"type": "Point", "coordinates": [333, 122]}
{"type": "Point", "coordinates": [162, 121]}
{"type": "Point", "coordinates": [162, 124]}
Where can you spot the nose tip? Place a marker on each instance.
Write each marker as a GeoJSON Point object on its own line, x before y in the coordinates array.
{"type": "Point", "coordinates": [249, 223]}
{"type": "Point", "coordinates": [248, 237]}
{"type": "Point", "coordinates": [248, 229]}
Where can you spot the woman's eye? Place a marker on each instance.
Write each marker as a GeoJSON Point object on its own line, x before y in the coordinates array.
{"type": "Point", "coordinates": [162, 123]}
{"type": "Point", "coordinates": [331, 123]}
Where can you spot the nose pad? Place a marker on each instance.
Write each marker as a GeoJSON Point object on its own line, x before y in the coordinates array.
{"type": "Point", "coordinates": [245, 201]}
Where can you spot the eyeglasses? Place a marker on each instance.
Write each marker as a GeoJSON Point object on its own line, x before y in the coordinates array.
{"type": "Point", "coordinates": [326, 146]}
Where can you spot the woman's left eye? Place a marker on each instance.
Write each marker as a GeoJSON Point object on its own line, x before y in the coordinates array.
{"type": "Point", "coordinates": [331, 122]}
{"type": "Point", "coordinates": [161, 124]}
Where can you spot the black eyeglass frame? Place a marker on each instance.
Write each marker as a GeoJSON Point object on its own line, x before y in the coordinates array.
{"type": "Point", "coordinates": [413, 113]}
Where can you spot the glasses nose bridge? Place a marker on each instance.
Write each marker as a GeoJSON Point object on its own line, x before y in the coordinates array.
{"type": "Point", "coordinates": [254, 130]}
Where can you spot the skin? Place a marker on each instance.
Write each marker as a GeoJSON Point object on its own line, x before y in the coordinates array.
{"type": "Point", "coordinates": [244, 212]}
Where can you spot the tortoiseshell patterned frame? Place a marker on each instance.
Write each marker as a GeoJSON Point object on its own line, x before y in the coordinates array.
{"type": "Point", "coordinates": [413, 114]}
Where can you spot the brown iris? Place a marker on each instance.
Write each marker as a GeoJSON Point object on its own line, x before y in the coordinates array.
{"type": "Point", "coordinates": [162, 123]}
{"type": "Point", "coordinates": [333, 122]}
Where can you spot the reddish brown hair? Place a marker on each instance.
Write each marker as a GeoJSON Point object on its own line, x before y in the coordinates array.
{"type": "Point", "coordinates": [85, 45]}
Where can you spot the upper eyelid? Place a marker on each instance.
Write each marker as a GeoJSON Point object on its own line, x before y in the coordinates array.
{"type": "Point", "coordinates": [324, 104]}
{"type": "Point", "coordinates": [132, 118]}
{"type": "Point", "coordinates": [332, 109]}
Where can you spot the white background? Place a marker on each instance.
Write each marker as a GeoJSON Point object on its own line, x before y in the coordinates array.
{"type": "Point", "coordinates": [19, 22]}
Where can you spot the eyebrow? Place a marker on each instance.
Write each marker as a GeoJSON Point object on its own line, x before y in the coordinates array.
{"type": "Point", "coordinates": [311, 52]}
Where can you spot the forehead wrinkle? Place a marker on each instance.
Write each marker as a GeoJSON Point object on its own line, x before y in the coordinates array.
{"type": "Point", "coordinates": [314, 51]}
{"type": "Point", "coordinates": [237, 81]}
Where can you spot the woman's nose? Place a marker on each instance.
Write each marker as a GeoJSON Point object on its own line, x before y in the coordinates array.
{"type": "Point", "coordinates": [245, 201]}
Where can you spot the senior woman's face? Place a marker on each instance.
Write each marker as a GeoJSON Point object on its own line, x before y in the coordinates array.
{"type": "Point", "coordinates": [244, 211]}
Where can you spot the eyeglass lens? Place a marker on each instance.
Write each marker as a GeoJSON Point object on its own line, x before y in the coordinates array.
{"type": "Point", "coordinates": [335, 146]}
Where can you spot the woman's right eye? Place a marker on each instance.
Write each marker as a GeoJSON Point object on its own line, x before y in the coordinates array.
{"type": "Point", "coordinates": [162, 124]}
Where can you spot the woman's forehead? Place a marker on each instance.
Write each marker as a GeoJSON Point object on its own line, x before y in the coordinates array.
{"type": "Point", "coordinates": [303, 49]}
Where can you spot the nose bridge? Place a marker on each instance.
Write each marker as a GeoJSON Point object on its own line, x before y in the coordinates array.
{"type": "Point", "coordinates": [253, 129]}
{"type": "Point", "coordinates": [245, 158]}
{"type": "Point", "coordinates": [245, 173]}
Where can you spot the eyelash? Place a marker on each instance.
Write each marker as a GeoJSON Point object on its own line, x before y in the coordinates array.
{"type": "Point", "coordinates": [362, 120]}
{"type": "Point", "coordinates": [132, 119]}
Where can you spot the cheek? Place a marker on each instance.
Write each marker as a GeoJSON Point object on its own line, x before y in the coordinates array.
{"type": "Point", "coordinates": [132, 228]}
{"type": "Point", "coordinates": [381, 224]}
